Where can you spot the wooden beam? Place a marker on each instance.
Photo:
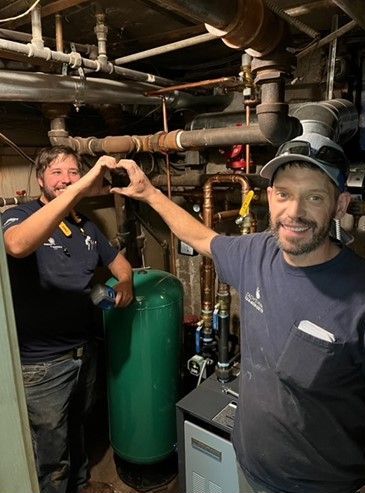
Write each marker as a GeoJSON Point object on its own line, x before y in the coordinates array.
{"type": "Point", "coordinates": [47, 10]}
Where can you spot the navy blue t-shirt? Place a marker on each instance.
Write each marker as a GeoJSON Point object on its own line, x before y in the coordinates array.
{"type": "Point", "coordinates": [51, 287]}
{"type": "Point", "coordinates": [300, 424]}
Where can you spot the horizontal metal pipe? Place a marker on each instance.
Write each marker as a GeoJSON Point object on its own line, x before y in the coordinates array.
{"type": "Point", "coordinates": [75, 60]}
{"type": "Point", "coordinates": [177, 140]}
{"type": "Point", "coordinates": [195, 179]}
{"type": "Point", "coordinates": [216, 137]}
{"type": "Point", "coordinates": [160, 50]}
{"type": "Point", "coordinates": [39, 87]}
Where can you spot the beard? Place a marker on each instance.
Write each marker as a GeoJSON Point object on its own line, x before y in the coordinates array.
{"type": "Point", "coordinates": [48, 193]}
{"type": "Point", "coordinates": [300, 247]}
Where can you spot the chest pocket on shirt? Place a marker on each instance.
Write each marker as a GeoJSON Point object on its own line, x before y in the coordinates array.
{"type": "Point", "coordinates": [309, 362]}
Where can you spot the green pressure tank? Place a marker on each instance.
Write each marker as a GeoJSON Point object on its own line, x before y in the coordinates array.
{"type": "Point", "coordinates": [143, 367]}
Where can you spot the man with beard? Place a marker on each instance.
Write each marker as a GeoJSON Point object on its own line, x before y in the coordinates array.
{"type": "Point", "coordinates": [52, 255]}
{"type": "Point", "coordinates": [300, 424]}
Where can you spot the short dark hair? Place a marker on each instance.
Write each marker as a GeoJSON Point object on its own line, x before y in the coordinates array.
{"type": "Point", "coordinates": [48, 154]}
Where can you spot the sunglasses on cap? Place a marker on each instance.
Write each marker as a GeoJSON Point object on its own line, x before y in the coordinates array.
{"type": "Point", "coordinates": [328, 155]}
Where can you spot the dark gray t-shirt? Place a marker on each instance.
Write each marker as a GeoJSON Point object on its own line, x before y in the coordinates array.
{"type": "Point", "coordinates": [51, 287]}
{"type": "Point", "coordinates": [300, 425]}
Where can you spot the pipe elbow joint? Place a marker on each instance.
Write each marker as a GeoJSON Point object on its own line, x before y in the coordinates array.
{"type": "Point", "coordinates": [275, 124]}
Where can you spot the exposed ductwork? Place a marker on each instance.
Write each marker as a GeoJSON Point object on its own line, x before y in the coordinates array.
{"type": "Point", "coordinates": [336, 119]}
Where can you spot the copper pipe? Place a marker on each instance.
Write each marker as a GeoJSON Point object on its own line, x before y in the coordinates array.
{"type": "Point", "coordinates": [192, 85]}
{"type": "Point", "coordinates": [59, 33]}
{"type": "Point", "coordinates": [225, 215]}
{"type": "Point", "coordinates": [208, 193]}
{"type": "Point", "coordinates": [207, 263]}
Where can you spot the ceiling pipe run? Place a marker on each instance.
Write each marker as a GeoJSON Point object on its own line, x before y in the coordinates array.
{"type": "Point", "coordinates": [39, 87]}
{"type": "Point", "coordinates": [75, 61]}
{"type": "Point", "coordinates": [177, 140]}
{"type": "Point", "coordinates": [87, 49]}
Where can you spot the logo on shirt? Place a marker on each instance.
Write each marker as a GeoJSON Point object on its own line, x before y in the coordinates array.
{"type": "Point", "coordinates": [10, 221]}
{"type": "Point", "coordinates": [51, 243]}
{"type": "Point", "coordinates": [90, 243]}
{"type": "Point", "coordinates": [255, 300]}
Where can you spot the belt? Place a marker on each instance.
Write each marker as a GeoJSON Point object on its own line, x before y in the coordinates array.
{"type": "Point", "coordinates": [75, 353]}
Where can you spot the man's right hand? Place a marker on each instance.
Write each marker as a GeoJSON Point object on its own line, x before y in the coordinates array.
{"type": "Point", "coordinates": [139, 188]}
{"type": "Point", "coordinates": [181, 223]}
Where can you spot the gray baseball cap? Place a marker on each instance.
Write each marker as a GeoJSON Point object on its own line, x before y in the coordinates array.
{"type": "Point", "coordinates": [311, 148]}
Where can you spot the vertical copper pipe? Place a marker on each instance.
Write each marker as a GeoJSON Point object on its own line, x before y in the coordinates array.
{"type": "Point", "coordinates": [208, 193]}
{"type": "Point", "coordinates": [168, 176]}
{"type": "Point", "coordinates": [207, 264]}
{"type": "Point", "coordinates": [59, 33]}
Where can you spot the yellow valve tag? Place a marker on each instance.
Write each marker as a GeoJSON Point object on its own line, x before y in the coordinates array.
{"type": "Point", "coordinates": [65, 229]}
{"type": "Point", "coordinates": [245, 209]}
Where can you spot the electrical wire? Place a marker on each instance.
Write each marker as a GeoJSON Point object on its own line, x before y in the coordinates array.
{"type": "Point", "coordinates": [201, 372]}
{"type": "Point", "coordinates": [21, 15]}
{"type": "Point", "coordinates": [17, 149]}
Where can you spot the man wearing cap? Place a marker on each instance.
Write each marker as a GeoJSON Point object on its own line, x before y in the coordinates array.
{"type": "Point", "coordinates": [300, 422]}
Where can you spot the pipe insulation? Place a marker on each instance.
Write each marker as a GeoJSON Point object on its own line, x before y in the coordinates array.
{"type": "Point", "coordinates": [75, 60]}
{"type": "Point", "coordinates": [45, 88]}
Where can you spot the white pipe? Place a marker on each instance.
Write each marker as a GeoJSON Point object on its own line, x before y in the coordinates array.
{"type": "Point", "coordinates": [160, 50]}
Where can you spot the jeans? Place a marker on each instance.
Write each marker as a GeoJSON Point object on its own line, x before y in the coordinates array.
{"type": "Point", "coordinates": [59, 394]}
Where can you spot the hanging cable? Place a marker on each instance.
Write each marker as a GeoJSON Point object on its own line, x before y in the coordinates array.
{"type": "Point", "coordinates": [17, 149]}
{"type": "Point", "coordinates": [21, 15]}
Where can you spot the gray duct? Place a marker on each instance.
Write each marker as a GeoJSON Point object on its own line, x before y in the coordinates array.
{"type": "Point", "coordinates": [336, 119]}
